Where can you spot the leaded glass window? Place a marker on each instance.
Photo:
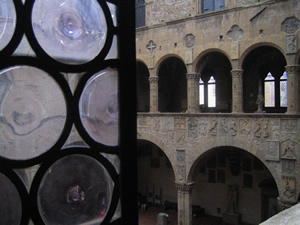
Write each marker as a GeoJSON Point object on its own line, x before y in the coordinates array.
{"type": "Point", "coordinates": [201, 92]}
{"type": "Point", "coordinates": [283, 90]}
{"type": "Point", "coordinates": [67, 118]}
{"type": "Point", "coordinates": [269, 91]}
{"type": "Point", "coordinates": [211, 87]}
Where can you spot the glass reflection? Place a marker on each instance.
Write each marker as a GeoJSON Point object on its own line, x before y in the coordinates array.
{"type": "Point", "coordinates": [99, 109]}
{"type": "Point", "coordinates": [76, 189]}
{"type": "Point", "coordinates": [7, 22]}
{"type": "Point", "coordinates": [70, 31]}
{"type": "Point", "coordinates": [11, 206]}
{"type": "Point", "coordinates": [32, 112]}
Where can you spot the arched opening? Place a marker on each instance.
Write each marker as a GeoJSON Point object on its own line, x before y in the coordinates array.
{"type": "Point", "coordinates": [215, 83]}
{"type": "Point", "coordinates": [265, 85]}
{"type": "Point", "coordinates": [142, 87]}
{"type": "Point", "coordinates": [156, 179]}
{"type": "Point", "coordinates": [233, 184]}
{"type": "Point", "coordinates": [172, 86]}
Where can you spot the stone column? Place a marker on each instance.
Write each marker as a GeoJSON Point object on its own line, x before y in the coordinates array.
{"type": "Point", "coordinates": [237, 90]}
{"type": "Point", "coordinates": [153, 80]}
{"type": "Point", "coordinates": [184, 196]}
{"type": "Point", "coordinates": [192, 92]}
{"type": "Point", "coordinates": [293, 89]}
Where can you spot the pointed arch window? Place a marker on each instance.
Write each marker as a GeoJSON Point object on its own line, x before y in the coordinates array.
{"type": "Point", "coordinates": [207, 92]}
{"type": "Point", "coordinates": [275, 91]}
{"type": "Point", "coordinates": [283, 90]}
{"type": "Point", "coordinates": [211, 89]}
{"type": "Point", "coordinates": [201, 92]}
{"type": "Point", "coordinates": [269, 91]}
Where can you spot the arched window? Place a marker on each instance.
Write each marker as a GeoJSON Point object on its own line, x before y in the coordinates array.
{"type": "Point", "coordinates": [283, 90]}
{"type": "Point", "coordinates": [201, 92]}
{"type": "Point", "coordinates": [269, 91]}
{"type": "Point", "coordinates": [207, 92]}
{"type": "Point", "coordinates": [275, 91]}
{"type": "Point", "coordinates": [211, 89]}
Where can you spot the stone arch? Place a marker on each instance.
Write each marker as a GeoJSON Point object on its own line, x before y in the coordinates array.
{"type": "Point", "coordinates": [257, 64]}
{"type": "Point", "coordinates": [255, 46]}
{"type": "Point", "coordinates": [143, 87]}
{"type": "Point", "coordinates": [199, 57]}
{"type": "Point", "coordinates": [228, 163]}
{"type": "Point", "coordinates": [237, 143]}
{"type": "Point", "coordinates": [159, 142]}
{"type": "Point", "coordinates": [141, 61]}
{"type": "Point", "coordinates": [163, 58]}
{"type": "Point", "coordinates": [172, 85]}
{"type": "Point", "coordinates": [215, 64]}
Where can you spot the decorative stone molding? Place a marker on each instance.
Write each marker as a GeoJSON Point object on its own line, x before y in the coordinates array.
{"type": "Point", "coordinates": [153, 79]}
{"type": "Point", "coordinates": [235, 33]}
{"type": "Point", "coordinates": [185, 187]}
{"type": "Point", "coordinates": [288, 188]}
{"type": "Point", "coordinates": [291, 44]}
{"type": "Point", "coordinates": [192, 76]}
{"type": "Point", "coordinates": [288, 167]}
{"type": "Point", "coordinates": [292, 69]}
{"type": "Point", "coordinates": [151, 46]}
{"type": "Point", "coordinates": [238, 73]}
{"type": "Point", "coordinates": [189, 40]}
{"type": "Point", "coordinates": [290, 25]}
{"type": "Point", "coordinates": [272, 151]}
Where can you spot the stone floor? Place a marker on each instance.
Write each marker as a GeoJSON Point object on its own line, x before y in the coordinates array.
{"type": "Point", "coordinates": [150, 217]}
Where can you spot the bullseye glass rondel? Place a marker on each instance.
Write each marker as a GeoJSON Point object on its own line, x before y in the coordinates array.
{"type": "Point", "coordinates": [7, 22]}
{"type": "Point", "coordinates": [70, 31]}
{"type": "Point", "coordinates": [76, 189]}
{"type": "Point", "coordinates": [32, 112]}
{"type": "Point", "coordinates": [99, 108]}
{"type": "Point", "coordinates": [11, 205]}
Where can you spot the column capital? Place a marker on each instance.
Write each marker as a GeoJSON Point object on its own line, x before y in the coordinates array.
{"type": "Point", "coordinates": [153, 79]}
{"type": "Point", "coordinates": [186, 187]}
{"type": "Point", "coordinates": [292, 68]}
{"type": "Point", "coordinates": [192, 76]}
{"type": "Point", "coordinates": [238, 73]}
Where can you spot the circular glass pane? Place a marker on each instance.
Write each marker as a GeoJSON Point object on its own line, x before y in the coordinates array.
{"type": "Point", "coordinates": [11, 205]}
{"type": "Point", "coordinates": [7, 21]}
{"type": "Point", "coordinates": [99, 108]}
{"type": "Point", "coordinates": [76, 189]}
{"type": "Point", "coordinates": [32, 112]}
{"type": "Point", "coordinates": [70, 31]}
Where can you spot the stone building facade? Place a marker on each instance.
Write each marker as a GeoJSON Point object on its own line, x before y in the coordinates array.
{"type": "Point", "coordinates": [227, 136]}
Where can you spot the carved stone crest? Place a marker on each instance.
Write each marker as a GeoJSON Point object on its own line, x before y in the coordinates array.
{"type": "Point", "coordinates": [181, 172]}
{"type": "Point", "coordinates": [193, 128]}
{"type": "Point", "coordinates": [288, 149]}
{"type": "Point", "coordinates": [245, 127]}
{"type": "Point", "coordinates": [272, 150]}
{"type": "Point", "coordinates": [290, 25]}
{"type": "Point", "coordinates": [189, 40]}
{"type": "Point", "coordinates": [180, 156]}
{"type": "Point", "coordinates": [291, 44]}
{"type": "Point", "coordinates": [288, 188]}
{"type": "Point", "coordinates": [288, 125]}
{"type": "Point", "coordinates": [288, 167]}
